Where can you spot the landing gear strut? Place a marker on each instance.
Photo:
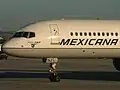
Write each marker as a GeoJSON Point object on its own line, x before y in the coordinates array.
{"type": "Point", "coordinates": [53, 75]}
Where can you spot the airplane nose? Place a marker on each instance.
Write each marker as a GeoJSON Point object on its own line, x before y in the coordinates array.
{"type": "Point", "coordinates": [4, 48]}
{"type": "Point", "coordinates": [12, 47]}
{"type": "Point", "coordinates": [7, 47]}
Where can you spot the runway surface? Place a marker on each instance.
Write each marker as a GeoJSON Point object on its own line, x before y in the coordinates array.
{"type": "Point", "coordinates": [76, 74]}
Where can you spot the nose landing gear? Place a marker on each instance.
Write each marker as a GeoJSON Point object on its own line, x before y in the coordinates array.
{"type": "Point", "coordinates": [53, 75]}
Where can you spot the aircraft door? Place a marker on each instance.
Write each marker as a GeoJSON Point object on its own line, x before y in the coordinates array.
{"type": "Point", "coordinates": [54, 32]}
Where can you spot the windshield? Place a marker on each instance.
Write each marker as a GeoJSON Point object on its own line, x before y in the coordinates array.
{"type": "Point", "coordinates": [24, 34]}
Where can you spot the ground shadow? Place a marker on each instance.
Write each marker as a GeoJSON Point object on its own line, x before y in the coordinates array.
{"type": "Point", "coordinates": [76, 75]}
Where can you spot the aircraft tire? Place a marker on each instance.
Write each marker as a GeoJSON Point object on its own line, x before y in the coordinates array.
{"type": "Point", "coordinates": [54, 77]}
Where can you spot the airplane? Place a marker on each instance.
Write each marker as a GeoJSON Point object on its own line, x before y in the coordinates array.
{"type": "Point", "coordinates": [52, 40]}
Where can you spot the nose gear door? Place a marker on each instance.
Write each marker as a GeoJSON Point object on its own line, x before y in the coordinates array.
{"type": "Point", "coordinates": [55, 36]}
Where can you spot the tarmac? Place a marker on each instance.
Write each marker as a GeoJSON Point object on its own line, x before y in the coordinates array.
{"type": "Point", "coordinates": [75, 74]}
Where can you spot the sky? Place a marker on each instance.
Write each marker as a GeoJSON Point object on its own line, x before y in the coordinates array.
{"type": "Point", "coordinates": [17, 13]}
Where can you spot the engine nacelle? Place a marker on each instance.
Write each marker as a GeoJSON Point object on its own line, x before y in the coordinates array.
{"type": "Point", "coordinates": [116, 63]}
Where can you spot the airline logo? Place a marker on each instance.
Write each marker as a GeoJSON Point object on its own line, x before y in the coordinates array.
{"type": "Point", "coordinates": [89, 42]}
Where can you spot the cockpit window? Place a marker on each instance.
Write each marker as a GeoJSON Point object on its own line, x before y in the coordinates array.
{"type": "Point", "coordinates": [32, 34]}
{"type": "Point", "coordinates": [18, 34]}
{"type": "Point", "coordinates": [24, 34]}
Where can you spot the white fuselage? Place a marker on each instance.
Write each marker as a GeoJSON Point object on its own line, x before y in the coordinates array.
{"type": "Point", "coordinates": [67, 39]}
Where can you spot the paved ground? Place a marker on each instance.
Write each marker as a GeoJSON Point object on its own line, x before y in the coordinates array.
{"type": "Point", "coordinates": [31, 74]}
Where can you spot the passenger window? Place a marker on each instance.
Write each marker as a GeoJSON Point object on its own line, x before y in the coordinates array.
{"type": "Point", "coordinates": [85, 34]}
{"type": "Point", "coordinates": [89, 33]}
{"type": "Point", "coordinates": [32, 34]}
{"type": "Point", "coordinates": [94, 34]}
{"type": "Point", "coordinates": [107, 34]}
{"type": "Point", "coordinates": [76, 33]}
{"type": "Point", "coordinates": [111, 34]}
{"type": "Point", "coordinates": [80, 33]}
{"type": "Point", "coordinates": [25, 34]}
{"type": "Point", "coordinates": [98, 34]}
{"type": "Point", "coordinates": [116, 34]}
{"type": "Point", "coordinates": [71, 34]}
{"type": "Point", "coordinates": [103, 34]}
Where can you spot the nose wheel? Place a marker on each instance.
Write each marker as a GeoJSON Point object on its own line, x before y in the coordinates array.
{"type": "Point", "coordinates": [53, 75]}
